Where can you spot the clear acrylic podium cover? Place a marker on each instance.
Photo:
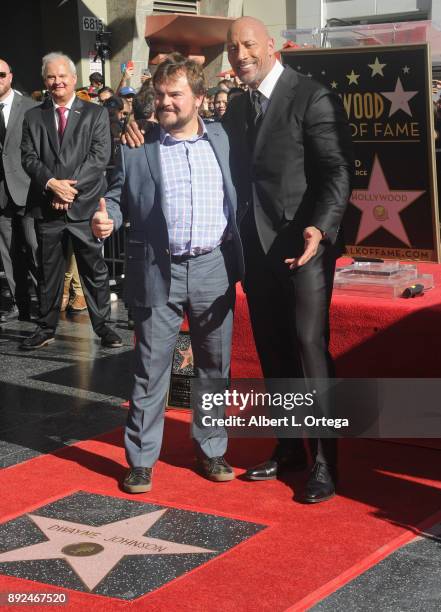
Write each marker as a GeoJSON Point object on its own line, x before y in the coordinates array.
{"type": "Point", "coordinates": [404, 33]}
{"type": "Point", "coordinates": [387, 279]}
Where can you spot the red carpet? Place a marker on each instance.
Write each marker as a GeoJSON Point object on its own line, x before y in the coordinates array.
{"type": "Point", "coordinates": [385, 493]}
{"type": "Point", "coordinates": [370, 337]}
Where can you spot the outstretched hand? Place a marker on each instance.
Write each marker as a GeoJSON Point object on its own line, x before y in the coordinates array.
{"type": "Point", "coordinates": [102, 225]}
{"type": "Point", "coordinates": [312, 236]}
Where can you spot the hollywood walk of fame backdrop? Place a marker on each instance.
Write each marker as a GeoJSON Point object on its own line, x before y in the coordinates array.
{"type": "Point", "coordinates": [386, 93]}
{"type": "Point", "coordinates": [112, 546]}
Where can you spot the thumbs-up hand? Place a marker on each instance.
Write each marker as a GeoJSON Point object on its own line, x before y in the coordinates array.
{"type": "Point", "coordinates": [102, 225]}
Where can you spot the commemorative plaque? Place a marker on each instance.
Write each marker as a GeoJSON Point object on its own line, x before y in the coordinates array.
{"type": "Point", "coordinates": [182, 373]}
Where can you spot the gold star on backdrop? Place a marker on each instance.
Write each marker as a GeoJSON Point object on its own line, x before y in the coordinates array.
{"type": "Point", "coordinates": [353, 78]}
{"type": "Point", "coordinates": [377, 68]}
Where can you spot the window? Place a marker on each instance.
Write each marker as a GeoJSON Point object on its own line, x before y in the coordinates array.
{"type": "Point", "coordinates": [189, 7]}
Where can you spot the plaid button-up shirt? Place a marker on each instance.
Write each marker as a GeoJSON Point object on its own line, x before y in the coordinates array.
{"type": "Point", "coordinates": [195, 203]}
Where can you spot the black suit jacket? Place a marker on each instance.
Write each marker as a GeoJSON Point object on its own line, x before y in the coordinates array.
{"type": "Point", "coordinates": [83, 156]}
{"type": "Point", "coordinates": [302, 161]}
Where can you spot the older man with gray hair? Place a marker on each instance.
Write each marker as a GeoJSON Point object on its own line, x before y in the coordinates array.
{"type": "Point", "coordinates": [65, 151]}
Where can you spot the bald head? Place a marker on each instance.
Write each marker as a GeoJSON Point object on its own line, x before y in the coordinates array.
{"type": "Point", "coordinates": [5, 81]}
{"type": "Point", "coordinates": [250, 50]}
{"type": "Point", "coordinates": [249, 23]}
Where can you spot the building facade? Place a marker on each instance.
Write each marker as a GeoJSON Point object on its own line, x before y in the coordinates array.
{"type": "Point", "coordinates": [142, 30]}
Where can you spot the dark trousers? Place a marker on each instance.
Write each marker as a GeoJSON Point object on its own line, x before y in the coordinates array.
{"type": "Point", "coordinates": [289, 312]}
{"type": "Point", "coordinates": [53, 245]}
{"type": "Point", "coordinates": [18, 249]}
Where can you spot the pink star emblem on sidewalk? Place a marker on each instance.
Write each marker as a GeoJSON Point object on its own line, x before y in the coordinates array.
{"type": "Point", "coordinates": [93, 552]}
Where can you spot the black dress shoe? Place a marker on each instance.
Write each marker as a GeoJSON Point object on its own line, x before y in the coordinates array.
{"type": "Point", "coordinates": [321, 484]}
{"type": "Point", "coordinates": [281, 460]}
{"type": "Point", "coordinates": [110, 339]}
{"type": "Point", "coordinates": [138, 480]}
{"type": "Point", "coordinates": [40, 338]}
{"type": "Point", "coordinates": [10, 314]}
{"type": "Point", "coordinates": [216, 469]}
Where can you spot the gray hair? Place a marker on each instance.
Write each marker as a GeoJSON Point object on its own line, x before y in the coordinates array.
{"type": "Point", "coordinates": [53, 57]}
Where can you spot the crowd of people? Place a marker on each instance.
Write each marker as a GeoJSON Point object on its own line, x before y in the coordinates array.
{"type": "Point", "coordinates": [250, 185]}
{"type": "Point", "coordinates": [124, 104]}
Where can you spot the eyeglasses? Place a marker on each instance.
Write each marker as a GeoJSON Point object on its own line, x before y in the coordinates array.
{"type": "Point", "coordinates": [3, 75]}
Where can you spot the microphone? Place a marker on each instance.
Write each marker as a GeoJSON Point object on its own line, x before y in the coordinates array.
{"type": "Point", "coordinates": [413, 291]}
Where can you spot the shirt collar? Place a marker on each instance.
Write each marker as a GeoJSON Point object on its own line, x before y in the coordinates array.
{"type": "Point", "coordinates": [165, 137]}
{"type": "Point", "coordinates": [269, 82]}
{"type": "Point", "coordinates": [68, 105]}
{"type": "Point", "coordinates": [8, 100]}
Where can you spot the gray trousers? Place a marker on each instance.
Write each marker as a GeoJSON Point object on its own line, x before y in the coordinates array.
{"type": "Point", "coordinates": [203, 287]}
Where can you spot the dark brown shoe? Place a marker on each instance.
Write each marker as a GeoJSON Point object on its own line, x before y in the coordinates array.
{"type": "Point", "coordinates": [138, 480]}
{"type": "Point", "coordinates": [77, 305]}
{"type": "Point", "coordinates": [216, 469]}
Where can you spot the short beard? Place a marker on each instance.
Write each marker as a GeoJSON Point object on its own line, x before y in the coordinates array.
{"type": "Point", "coordinates": [5, 90]}
{"type": "Point", "coordinates": [179, 122]}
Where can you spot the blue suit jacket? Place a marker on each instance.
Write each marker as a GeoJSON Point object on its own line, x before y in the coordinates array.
{"type": "Point", "coordinates": [137, 190]}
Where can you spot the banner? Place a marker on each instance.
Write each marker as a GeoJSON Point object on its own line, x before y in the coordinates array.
{"type": "Point", "coordinates": [386, 92]}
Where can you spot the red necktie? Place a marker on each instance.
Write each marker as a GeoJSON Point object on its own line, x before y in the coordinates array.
{"type": "Point", "coordinates": [62, 120]}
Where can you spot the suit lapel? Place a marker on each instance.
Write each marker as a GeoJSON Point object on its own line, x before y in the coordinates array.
{"type": "Point", "coordinates": [48, 117]}
{"type": "Point", "coordinates": [151, 149]}
{"type": "Point", "coordinates": [283, 92]}
{"type": "Point", "coordinates": [218, 142]}
{"type": "Point", "coordinates": [241, 125]}
{"type": "Point", "coordinates": [15, 109]}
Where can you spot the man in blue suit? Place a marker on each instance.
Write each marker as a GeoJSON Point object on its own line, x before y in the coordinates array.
{"type": "Point", "coordinates": [184, 257]}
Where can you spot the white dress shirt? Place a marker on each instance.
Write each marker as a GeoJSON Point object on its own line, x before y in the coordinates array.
{"type": "Point", "coordinates": [267, 85]}
{"type": "Point", "coordinates": [7, 102]}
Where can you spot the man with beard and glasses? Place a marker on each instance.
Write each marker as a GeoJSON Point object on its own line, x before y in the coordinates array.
{"type": "Point", "coordinates": [183, 258]}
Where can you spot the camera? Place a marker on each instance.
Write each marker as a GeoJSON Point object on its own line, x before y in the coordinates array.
{"type": "Point", "coordinates": [102, 44]}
